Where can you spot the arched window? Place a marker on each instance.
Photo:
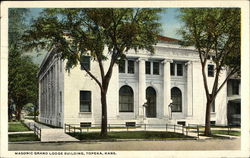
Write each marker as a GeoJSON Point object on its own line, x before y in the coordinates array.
{"type": "Point", "coordinates": [151, 102]}
{"type": "Point", "coordinates": [177, 99]}
{"type": "Point", "coordinates": [126, 99]}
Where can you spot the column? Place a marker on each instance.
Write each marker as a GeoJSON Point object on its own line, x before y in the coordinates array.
{"type": "Point", "coordinates": [141, 87]}
{"type": "Point", "coordinates": [189, 88]}
{"type": "Point", "coordinates": [166, 86]}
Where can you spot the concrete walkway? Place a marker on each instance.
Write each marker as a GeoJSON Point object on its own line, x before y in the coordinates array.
{"type": "Point", "coordinates": [50, 134]}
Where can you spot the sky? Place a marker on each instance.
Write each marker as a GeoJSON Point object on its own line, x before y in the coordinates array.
{"type": "Point", "coordinates": [169, 19]}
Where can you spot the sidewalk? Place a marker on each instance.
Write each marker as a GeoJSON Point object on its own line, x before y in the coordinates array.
{"type": "Point", "coordinates": [50, 134]}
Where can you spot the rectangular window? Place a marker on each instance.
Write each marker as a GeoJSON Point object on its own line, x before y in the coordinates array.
{"type": "Point", "coordinates": [85, 101]}
{"type": "Point", "coordinates": [156, 67]}
{"type": "Point", "coordinates": [85, 62]}
{"type": "Point", "coordinates": [122, 66]}
{"type": "Point", "coordinates": [213, 107]}
{"type": "Point", "coordinates": [130, 124]}
{"type": "Point", "coordinates": [85, 124]}
{"type": "Point", "coordinates": [131, 66]}
{"type": "Point", "coordinates": [60, 106]}
{"type": "Point", "coordinates": [172, 69]}
{"type": "Point", "coordinates": [147, 67]}
{"type": "Point", "coordinates": [235, 87]}
{"type": "Point", "coordinates": [179, 70]}
{"type": "Point", "coordinates": [210, 70]}
{"type": "Point", "coordinates": [183, 123]}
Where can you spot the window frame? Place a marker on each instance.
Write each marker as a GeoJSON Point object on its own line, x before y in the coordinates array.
{"type": "Point", "coordinates": [129, 66]}
{"type": "Point", "coordinates": [179, 65]}
{"type": "Point", "coordinates": [212, 107]}
{"type": "Point", "coordinates": [158, 68]}
{"type": "Point", "coordinates": [210, 72]}
{"type": "Point", "coordinates": [180, 98]}
{"type": "Point", "coordinates": [85, 62]}
{"type": "Point", "coordinates": [122, 63]}
{"type": "Point", "coordinates": [147, 67]}
{"type": "Point", "coordinates": [130, 108]}
{"type": "Point", "coordinates": [235, 87]}
{"type": "Point", "coordinates": [89, 104]}
{"type": "Point", "coordinates": [172, 69]}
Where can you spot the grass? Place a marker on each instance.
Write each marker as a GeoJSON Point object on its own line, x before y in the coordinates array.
{"type": "Point", "coordinates": [131, 127]}
{"type": "Point", "coordinates": [17, 127]}
{"type": "Point", "coordinates": [23, 137]}
{"type": "Point", "coordinates": [130, 135]}
{"type": "Point", "coordinates": [225, 132]}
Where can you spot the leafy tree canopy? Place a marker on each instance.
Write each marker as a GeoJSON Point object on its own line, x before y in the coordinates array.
{"type": "Point", "coordinates": [214, 31]}
{"type": "Point", "coordinates": [77, 31]}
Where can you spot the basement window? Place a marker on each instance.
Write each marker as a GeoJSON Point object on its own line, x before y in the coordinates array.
{"type": "Point", "coordinates": [85, 124]}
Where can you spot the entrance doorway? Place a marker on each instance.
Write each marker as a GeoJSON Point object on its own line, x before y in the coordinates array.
{"type": "Point", "coordinates": [151, 102]}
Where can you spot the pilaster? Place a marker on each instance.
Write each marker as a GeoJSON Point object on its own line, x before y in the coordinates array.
{"type": "Point", "coordinates": [166, 86]}
{"type": "Point", "coordinates": [142, 86]}
{"type": "Point", "coordinates": [189, 88]}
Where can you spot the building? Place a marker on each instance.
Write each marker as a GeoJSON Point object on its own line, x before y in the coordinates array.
{"type": "Point", "coordinates": [140, 91]}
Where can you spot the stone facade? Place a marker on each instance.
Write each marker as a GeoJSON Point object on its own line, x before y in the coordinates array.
{"type": "Point", "coordinates": [143, 78]}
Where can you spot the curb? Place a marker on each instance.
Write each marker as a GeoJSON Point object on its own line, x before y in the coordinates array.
{"type": "Point", "coordinates": [100, 140]}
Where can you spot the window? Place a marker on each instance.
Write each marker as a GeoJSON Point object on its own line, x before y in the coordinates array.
{"type": "Point", "coordinates": [176, 97]}
{"type": "Point", "coordinates": [60, 106]}
{"type": "Point", "coordinates": [172, 68]}
{"type": "Point", "coordinates": [212, 123]}
{"type": "Point", "coordinates": [183, 123]}
{"type": "Point", "coordinates": [130, 124]}
{"type": "Point", "coordinates": [156, 68]}
{"type": "Point", "coordinates": [210, 70]}
{"type": "Point", "coordinates": [235, 87]}
{"type": "Point", "coordinates": [179, 70]}
{"type": "Point", "coordinates": [85, 62]}
{"type": "Point", "coordinates": [213, 107]}
{"type": "Point", "coordinates": [131, 66]}
{"type": "Point", "coordinates": [122, 66]}
{"type": "Point", "coordinates": [85, 124]}
{"type": "Point", "coordinates": [148, 67]}
{"type": "Point", "coordinates": [126, 99]}
{"type": "Point", "coordinates": [85, 101]}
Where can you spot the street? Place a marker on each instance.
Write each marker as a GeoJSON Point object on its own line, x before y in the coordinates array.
{"type": "Point", "coordinates": [210, 144]}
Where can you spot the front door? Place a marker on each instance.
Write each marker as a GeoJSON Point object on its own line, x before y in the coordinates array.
{"type": "Point", "coordinates": [151, 102]}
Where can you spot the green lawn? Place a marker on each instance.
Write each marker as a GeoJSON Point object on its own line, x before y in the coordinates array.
{"type": "Point", "coordinates": [130, 135]}
{"type": "Point", "coordinates": [23, 137]}
{"type": "Point", "coordinates": [225, 132]}
{"type": "Point", "coordinates": [71, 128]}
{"type": "Point", "coordinates": [17, 127]}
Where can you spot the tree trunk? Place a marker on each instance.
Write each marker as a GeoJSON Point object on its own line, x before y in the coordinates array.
{"type": "Point", "coordinates": [207, 121]}
{"type": "Point", "coordinates": [104, 113]}
{"type": "Point", "coordinates": [18, 113]}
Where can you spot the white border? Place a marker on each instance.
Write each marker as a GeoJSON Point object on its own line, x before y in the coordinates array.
{"type": "Point", "coordinates": [244, 5]}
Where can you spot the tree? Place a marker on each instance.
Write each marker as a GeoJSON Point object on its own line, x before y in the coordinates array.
{"type": "Point", "coordinates": [22, 85]}
{"type": "Point", "coordinates": [76, 32]}
{"type": "Point", "coordinates": [214, 32]}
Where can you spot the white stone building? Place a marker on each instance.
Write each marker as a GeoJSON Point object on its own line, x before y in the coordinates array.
{"type": "Point", "coordinates": [172, 72]}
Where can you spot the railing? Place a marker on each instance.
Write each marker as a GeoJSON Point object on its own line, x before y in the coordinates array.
{"type": "Point", "coordinates": [185, 130]}
{"type": "Point", "coordinates": [198, 127]}
{"type": "Point", "coordinates": [37, 131]}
